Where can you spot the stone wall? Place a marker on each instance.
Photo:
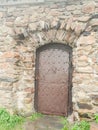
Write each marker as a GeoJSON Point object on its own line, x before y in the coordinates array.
{"type": "Point", "coordinates": [24, 28]}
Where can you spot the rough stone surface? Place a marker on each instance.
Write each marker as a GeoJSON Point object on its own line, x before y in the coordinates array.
{"type": "Point", "coordinates": [94, 126]}
{"type": "Point", "coordinates": [44, 123]}
{"type": "Point", "coordinates": [24, 28]}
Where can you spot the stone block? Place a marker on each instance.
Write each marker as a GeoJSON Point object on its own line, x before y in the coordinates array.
{"type": "Point", "coordinates": [94, 126]}
{"type": "Point", "coordinates": [89, 8]}
{"type": "Point", "coordinates": [94, 22]}
{"type": "Point", "coordinates": [86, 40]}
{"type": "Point", "coordinates": [83, 18]}
{"type": "Point", "coordinates": [69, 22]}
{"type": "Point", "coordinates": [21, 21]}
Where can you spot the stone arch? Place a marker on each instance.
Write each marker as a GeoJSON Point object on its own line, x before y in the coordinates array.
{"type": "Point", "coordinates": [38, 39]}
{"type": "Point", "coordinates": [71, 33]}
{"type": "Point", "coordinates": [54, 36]}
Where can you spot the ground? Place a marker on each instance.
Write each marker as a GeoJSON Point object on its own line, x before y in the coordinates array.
{"type": "Point", "coordinates": [44, 123]}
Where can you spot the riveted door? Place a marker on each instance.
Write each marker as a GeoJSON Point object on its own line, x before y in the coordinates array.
{"type": "Point", "coordinates": [52, 79]}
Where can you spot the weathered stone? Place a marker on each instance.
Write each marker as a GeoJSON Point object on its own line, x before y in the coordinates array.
{"type": "Point", "coordinates": [79, 28]}
{"type": "Point", "coordinates": [77, 12]}
{"type": "Point", "coordinates": [6, 99]}
{"type": "Point", "coordinates": [71, 7]}
{"type": "Point", "coordinates": [83, 18]}
{"type": "Point", "coordinates": [44, 26]}
{"type": "Point", "coordinates": [94, 126]}
{"type": "Point", "coordinates": [86, 40]}
{"type": "Point", "coordinates": [71, 40]}
{"type": "Point", "coordinates": [67, 36]}
{"type": "Point", "coordinates": [94, 22]}
{"type": "Point", "coordinates": [63, 24]}
{"type": "Point", "coordinates": [55, 24]}
{"type": "Point", "coordinates": [10, 54]}
{"type": "Point", "coordinates": [69, 22]}
{"type": "Point", "coordinates": [28, 100]}
{"type": "Point", "coordinates": [60, 35]}
{"type": "Point", "coordinates": [50, 35]}
{"type": "Point", "coordinates": [89, 8]}
{"type": "Point", "coordinates": [1, 15]}
{"type": "Point", "coordinates": [9, 24]}
{"type": "Point", "coordinates": [21, 21]}
{"type": "Point", "coordinates": [33, 26]}
{"type": "Point", "coordinates": [4, 30]}
{"type": "Point", "coordinates": [73, 25]}
{"type": "Point", "coordinates": [95, 99]}
{"type": "Point", "coordinates": [6, 86]}
{"type": "Point", "coordinates": [85, 106]}
{"type": "Point", "coordinates": [83, 58]}
{"type": "Point", "coordinates": [25, 28]}
{"type": "Point", "coordinates": [87, 69]}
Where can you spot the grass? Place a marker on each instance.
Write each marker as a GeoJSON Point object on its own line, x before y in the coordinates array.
{"type": "Point", "coordinates": [96, 117]}
{"type": "Point", "coordinates": [82, 125]}
{"type": "Point", "coordinates": [9, 122]}
{"type": "Point", "coordinates": [66, 124]}
{"type": "Point", "coordinates": [14, 122]}
{"type": "Point", "coordinates": [35, 116]}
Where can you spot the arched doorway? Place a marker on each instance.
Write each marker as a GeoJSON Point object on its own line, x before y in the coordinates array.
{"type": "Point", "coordinates": [53, 79]}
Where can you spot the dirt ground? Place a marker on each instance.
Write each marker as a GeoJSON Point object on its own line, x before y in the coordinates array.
{"type": "Point", "coordinates": [44, 123]}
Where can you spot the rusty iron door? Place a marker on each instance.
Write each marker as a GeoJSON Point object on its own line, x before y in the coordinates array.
{"type": "Point", "coordinates": [53, 79]}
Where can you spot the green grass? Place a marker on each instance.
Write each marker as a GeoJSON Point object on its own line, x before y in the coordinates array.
{"type": "Point", "coordinates": [35, 116]}
{"type": "Point", "coordinates": [82, 125]}
{"type": "Point", "coordinates": [9, 122]}
{"type": "Point", "coordinates": [66, 124]}
{"type": "Point", "coordinates": [14, 122]}
{"type": "Point", "coordinates": [96, 117]}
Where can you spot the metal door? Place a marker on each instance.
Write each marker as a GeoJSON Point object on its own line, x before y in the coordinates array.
{"type": "Point", "coordinates": [53, 79]}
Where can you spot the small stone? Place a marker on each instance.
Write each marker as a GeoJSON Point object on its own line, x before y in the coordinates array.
{"type": "Point", "coordinates": [72, 38]}
{"type": "Point", "coordinates": [55, 24]}
{"type": "Point", "coordinates": [87, 69]}
{"type": "Point", "coordinates": [4, 30]}
{"type": "Point", "coordinates": [94, 126]}
{"type": "Point", "coordinates": [89, 8]}
{"type": "Point", "coordinates": [28, 100]}
{"type": "Point", "coordinates": [86, 40]}
{"type": "Point", "coordinates": [94, 22]}
{"type": "Point", "coordinates": [71, 7]}
{"type": "Point", "coordinates": [1, 15]}
{"type": "Point", "coordinates": [84, 106]}
{"type": "Point", "coordinates": [63, 25]}
{"type": "Point", "coordinates": [73, 25]}
{"type": "Point", "coordinates": [44, 26]}
{"type": "Point", "coordinates": [83, 18]}
{"type": "Point", "coordinates": [9, 24]}
{"type": "Point", "coordinates": [69, 22]}
{"type": "Point", "coordinates": [33, 26]}
{"type": "Point", "coordinates": [83, 58]}
{"type": "Point", "coordinates": [21, 21]}
{"type": "Point", "coordinates": [51, 35]}
{"type": "Point", "coordinates": [10, 54]}
{"type": "Point", "coordinates": [67, 36]}
{"type": "Point", "coordinates": [79, 28]}
{"type": "Point", "coordinates": [60, 35]}
{"type": "Point", "coordinates": [77, 12]}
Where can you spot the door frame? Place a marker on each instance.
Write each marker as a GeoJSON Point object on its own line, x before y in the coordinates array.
{"type": "Point", "coordinates": [38, 50]}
